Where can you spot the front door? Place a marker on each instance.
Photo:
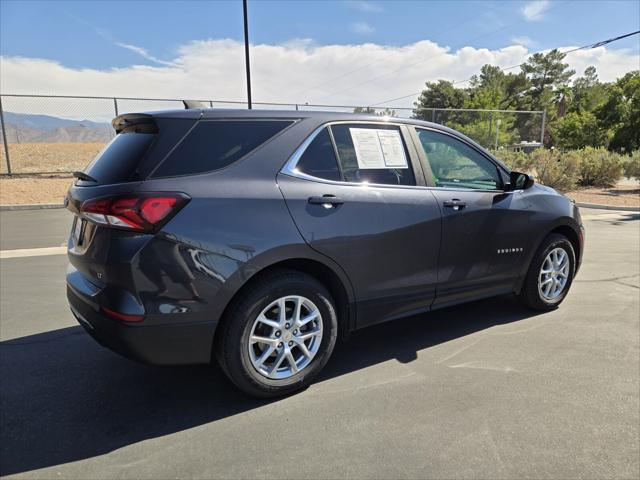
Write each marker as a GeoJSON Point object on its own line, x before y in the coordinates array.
{"type": "Point", "coordinates": [481, 223]}
{"type": "Point", "coordinates": [357, 195]}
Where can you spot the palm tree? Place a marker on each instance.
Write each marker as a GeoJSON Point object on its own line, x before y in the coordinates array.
{"type": "Point", "coordinates": [563, 95]}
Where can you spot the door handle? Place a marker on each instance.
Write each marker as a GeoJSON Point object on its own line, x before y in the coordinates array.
{"type": "Point", "coordinates": [327, 201]}
{"type": "Point", "coordinates": [455, 204]}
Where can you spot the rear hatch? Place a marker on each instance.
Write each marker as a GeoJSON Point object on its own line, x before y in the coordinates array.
{"type": "Point", "coordinates": [107, 193]}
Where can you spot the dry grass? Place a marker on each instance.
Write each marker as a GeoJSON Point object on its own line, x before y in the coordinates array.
{"type": "Point", "coordinates": [49, 157]}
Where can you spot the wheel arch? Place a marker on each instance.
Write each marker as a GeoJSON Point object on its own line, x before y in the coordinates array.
{"type": "Point", "coordinates": [572, 236]}
{"type": "Point", "coordinates": [562, 227]}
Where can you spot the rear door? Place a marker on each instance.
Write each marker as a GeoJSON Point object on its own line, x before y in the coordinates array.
{"type": "Point", "coordinates": [482, 225]}
{"type": "Point", "coordinates": [357, 195]}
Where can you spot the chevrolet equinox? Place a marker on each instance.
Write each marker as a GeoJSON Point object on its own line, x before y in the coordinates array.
{"type": "Point", "coordinates": [256, 237]}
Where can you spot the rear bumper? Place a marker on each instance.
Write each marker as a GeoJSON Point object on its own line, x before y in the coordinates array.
{"type": "Point", "coordinates": [152, 341]}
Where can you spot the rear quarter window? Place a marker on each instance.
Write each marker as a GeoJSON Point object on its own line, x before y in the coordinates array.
{"type": "Point", "coordinates": [119, 159]}
{"type": "Point", "coordinates": [215, 144]}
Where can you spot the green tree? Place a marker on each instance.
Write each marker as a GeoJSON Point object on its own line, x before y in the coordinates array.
{"type": "Point", "coordinates": [579, 130]}
{"type": "Point", "coordinates": [387, 112]}
{"type": "Point", "coordinates": [440, 94]}
{"type": "Point", "coordinates": [364, 110]}
{"type": "Point", "coordinates": [620, 113]}
{"type": "Point", "coordinates": [588, 92]}
{"type": "Point", "coordinates": [546, 73]}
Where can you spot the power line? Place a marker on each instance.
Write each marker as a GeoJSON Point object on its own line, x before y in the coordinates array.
{"type": "Point", "coordinates": [432, 57]}
{"type": "Point", "coordinates": [584, 47]}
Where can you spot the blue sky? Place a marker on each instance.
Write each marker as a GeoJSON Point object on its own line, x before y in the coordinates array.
{"type": "Point", "coordinates": [87, 34]}
{"type": "Point", "coordinates": [329, 52]}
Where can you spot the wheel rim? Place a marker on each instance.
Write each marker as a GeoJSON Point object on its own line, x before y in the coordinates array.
{"type": "Point", "coordinates": [285, 337]}
{"type": "Point", "coordinates": [554, 274]}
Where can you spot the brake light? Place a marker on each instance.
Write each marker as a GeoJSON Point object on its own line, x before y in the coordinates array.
{"type": "Point", "coordinates": [143, 213]}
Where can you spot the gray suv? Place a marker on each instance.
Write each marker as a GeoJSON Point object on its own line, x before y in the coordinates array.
{"type": "Point", "coordinates": [259, 237]}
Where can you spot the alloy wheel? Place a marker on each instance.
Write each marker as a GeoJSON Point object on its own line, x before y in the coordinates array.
{"type": "Point", "coordinates": [285, 337]}
{"type": "Point", "coordinates": [554, 274]}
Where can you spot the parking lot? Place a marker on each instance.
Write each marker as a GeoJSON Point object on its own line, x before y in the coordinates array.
{"type": "Point", "coordinates": [485, 390]}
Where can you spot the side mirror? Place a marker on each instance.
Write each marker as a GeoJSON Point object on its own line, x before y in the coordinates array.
{"type": "Point", "coordinates": [520, 181]}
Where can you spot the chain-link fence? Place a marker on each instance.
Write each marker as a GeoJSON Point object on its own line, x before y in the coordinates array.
{"type": "Point", "coordinates": [59, 134]}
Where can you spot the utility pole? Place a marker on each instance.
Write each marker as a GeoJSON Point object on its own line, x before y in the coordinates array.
{"type": "Point", "coordinates": [246, 52]}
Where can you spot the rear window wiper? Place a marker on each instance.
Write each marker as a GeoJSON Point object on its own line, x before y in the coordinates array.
{"type": "Point", "coordinates": [84, 176]}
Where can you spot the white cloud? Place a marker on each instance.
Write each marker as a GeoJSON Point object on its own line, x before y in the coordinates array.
{"type": "Point", "coordinates": [534, 11]}
{"type": "Point", "coordinates": [362, 28]}
{"type": "Point", "coordinates": [524, 40]}
{"type": "Point", "coordinates": [108, 36]}
{"type": "Point", "coordinates": [287, 73]}
{"type": "Point", "coordinates": [365, 6]}
{"type": "Point", "coordinates": [142, 52]}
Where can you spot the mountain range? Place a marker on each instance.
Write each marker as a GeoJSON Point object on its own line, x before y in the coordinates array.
{"type": "Point", "coordinates": [27, 128]}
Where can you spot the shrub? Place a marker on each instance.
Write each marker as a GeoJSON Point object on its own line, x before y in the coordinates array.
{"type": "Point", "coordinates": [518, 161]}
{"type": "Point", "coordinates": [599, 167]}
{"type": "Point", "coordinates": [632, 165]}
{"type": "Point", "coordinates": [554, 169]}
{"type": "Point", "coordinates": [595, 167]}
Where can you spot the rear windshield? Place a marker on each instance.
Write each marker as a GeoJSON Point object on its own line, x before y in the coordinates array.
{"type": "Point", "coordinates": [119, 159]}
{"type": "Point", "coordinates": [214, 144]}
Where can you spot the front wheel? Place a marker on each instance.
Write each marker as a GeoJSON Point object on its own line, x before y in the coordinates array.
{"type": "Point", "coordinates": [550, 274]}
{"type": "Point", "coordinates": [279, 335]}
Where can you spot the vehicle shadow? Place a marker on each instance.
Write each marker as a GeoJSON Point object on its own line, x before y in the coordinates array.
{"type": "Point", "coordinates": [64, 398]}
{"type": "Point", "coordinates": [620, 220]}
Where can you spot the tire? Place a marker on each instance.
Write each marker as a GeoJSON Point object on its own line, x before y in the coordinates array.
{"type": "Point", "coordinates": [532, 293]}
{"type": "Point", "coordinates": [239, 359]}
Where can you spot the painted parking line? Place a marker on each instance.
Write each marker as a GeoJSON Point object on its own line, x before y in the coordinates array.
{"type": "Point", "coordinates": [32, 252]}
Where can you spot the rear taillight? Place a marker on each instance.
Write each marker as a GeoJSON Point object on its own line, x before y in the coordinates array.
{"type": "Point", "coordinates": [142, 213]}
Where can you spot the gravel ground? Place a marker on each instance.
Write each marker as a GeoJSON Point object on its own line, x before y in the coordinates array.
{"type": "Point", "coordinates": [14, 191]}
{"type": "Point", "coordinates": [622, 195]}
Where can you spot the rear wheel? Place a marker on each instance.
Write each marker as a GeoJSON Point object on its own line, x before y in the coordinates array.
{"type": "Point", "coordinates": [550, 274]}
{"type": "Point", "coordinates": [278, 335]}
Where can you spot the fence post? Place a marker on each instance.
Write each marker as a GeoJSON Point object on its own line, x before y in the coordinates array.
{"type": "Point", "coordinates": [490, 128]}
{"type": "Point", "coordinates": [433, 115]}
{"type": "Point", "coordinates": [544, 119]}
{"type": "Point", "coordinates": [115, 105]}
{"type": "Point", "coordinates": [4, 139]}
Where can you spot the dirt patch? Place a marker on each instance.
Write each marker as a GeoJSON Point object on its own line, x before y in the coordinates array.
{"type": "Point", "coordinates": [32, 190]}
{"type": "Point", "coordinates": [620, 196]}
{"type": "Point", "coordinates": [50, 157]}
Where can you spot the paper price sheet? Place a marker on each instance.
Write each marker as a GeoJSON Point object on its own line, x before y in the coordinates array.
{"type": "Point", "coordinates": [378, 148]}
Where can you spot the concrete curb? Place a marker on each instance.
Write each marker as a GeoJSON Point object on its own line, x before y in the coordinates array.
{"type": "Point", "coordinates": [608, 207]}
{"type": "Point", "coordinates": [37, 206]}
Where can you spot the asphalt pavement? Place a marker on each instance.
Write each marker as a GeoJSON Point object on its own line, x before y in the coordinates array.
{"type": "Point", "coordinates": [485, 390]}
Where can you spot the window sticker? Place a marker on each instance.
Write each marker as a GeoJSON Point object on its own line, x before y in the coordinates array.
{"type": "Point", "coordinates": [377, 149]}
{"type": "Point", "coordinates": [392, 148]}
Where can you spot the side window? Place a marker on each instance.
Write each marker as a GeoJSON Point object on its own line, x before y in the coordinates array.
{"type": "Point", "coordinates": [373, 154]}
{"type": "Point", "coordinates": [214, 144]}
{"type": "Point", "coordinates": [455, 164]}
{"type": "Point", "coordinates": [319, 159]}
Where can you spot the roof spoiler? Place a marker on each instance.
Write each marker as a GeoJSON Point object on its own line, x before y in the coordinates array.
{"type": "Point", "coordinates": [134, 122]}
{"type": "Point", "coordinates": [194, 105]}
